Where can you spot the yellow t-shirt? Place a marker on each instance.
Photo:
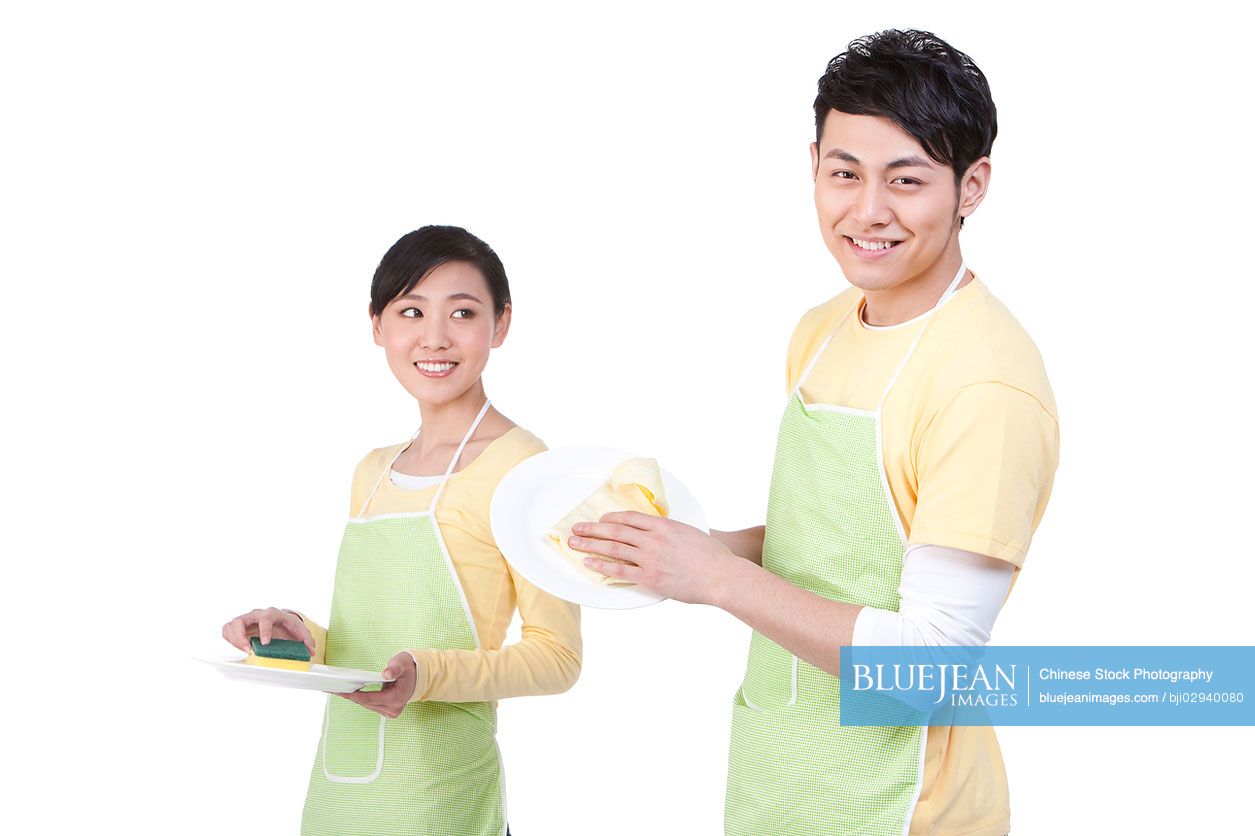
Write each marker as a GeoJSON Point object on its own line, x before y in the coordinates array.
{"type": "Point", "coordinates": [548, 656]}
{"type": "Point", "coordinates": [970, 442]}
{"type": "Point", "coordinates": [970, 433]}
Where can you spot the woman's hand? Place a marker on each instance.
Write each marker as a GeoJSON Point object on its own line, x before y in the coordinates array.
{"type": "Point", "coordinates": [267, 624]}
{"type": "Point", "coordinates": [668, 557]}
{"type": "Point", "coordinates": [390, 700]}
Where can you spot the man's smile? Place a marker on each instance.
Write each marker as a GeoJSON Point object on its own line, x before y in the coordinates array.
{"type": "Point", "coordinates": [871, 248]}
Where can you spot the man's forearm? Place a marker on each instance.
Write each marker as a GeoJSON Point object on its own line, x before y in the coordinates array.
{"type": "Point", "coordinates": [746, 543]}
{"type": "Point", "coordinates": [809, 626]}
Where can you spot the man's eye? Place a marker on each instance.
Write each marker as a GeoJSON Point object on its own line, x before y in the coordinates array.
{"type": "Point", "coordinates": [908, 181]}
{"type": "Point", "coordinates": [411, 313]}
{"type": "Point", "coordinates": [463, 313]}
{"type": "Point", "coordinates": [842, 174]}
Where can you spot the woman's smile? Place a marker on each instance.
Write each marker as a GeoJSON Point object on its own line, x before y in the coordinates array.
{"type": "Point", "coordinates": [435, 368]}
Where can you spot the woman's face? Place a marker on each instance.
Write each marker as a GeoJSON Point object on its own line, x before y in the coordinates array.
{"type": "Point", "coordinates": [437, 337]}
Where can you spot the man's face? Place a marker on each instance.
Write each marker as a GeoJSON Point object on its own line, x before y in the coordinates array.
{"type": "Point", "coordinates": [888, 212]}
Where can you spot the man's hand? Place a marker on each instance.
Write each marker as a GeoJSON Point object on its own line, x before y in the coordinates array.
{"type": "Point", "coordinates": [390, 700]}
{"type": "Point", "coordinates": [681, 562]}
{"type": "Point", "coordinates": [668, 557]}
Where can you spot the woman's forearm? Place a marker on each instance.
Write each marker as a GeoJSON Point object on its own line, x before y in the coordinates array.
{"type": "Point", "coordinates": [546, 659]}
{"type": "Point", "coordinates": [746, 543]}
{"type": "Point", "coordinates": [541, 663]}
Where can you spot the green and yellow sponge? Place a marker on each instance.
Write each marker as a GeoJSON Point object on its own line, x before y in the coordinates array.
{"type": "Point", "coordinates": [286, 654]}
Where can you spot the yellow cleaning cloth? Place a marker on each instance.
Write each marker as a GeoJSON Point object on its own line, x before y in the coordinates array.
{"type": "Point", "coordinates": [635, 485]}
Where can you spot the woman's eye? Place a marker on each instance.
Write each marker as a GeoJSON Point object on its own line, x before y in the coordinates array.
{"type": "Point", "coordinates": [411, 313]}
{"type": "Point", "coordinates": [463, 313]}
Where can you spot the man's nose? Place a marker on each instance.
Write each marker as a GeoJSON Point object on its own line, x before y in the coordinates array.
{"type": "Point", "coordinates": [871, 208]}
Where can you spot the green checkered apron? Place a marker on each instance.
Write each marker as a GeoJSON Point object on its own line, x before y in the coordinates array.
{"type": "Point", "coordinates": [435, 770]}
{"type": "Point", "coordinates": [832, 528]}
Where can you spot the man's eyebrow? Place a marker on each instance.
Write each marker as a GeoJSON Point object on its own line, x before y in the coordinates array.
{"type": "Point", "coordinates": [842, 154]}
{"type": "Point", "coordinates": [418, 297]}
{"type": "Point", "coordinates": [913, 160]}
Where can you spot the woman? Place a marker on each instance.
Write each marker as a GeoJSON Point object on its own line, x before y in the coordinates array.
{"type": "Point", "coordinates": [421, 590]}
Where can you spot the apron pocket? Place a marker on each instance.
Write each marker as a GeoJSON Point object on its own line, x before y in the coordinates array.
{"type": "Point", "coordinates": [352, 742]}
{"type": "Point", "coordinates": [770, 677]}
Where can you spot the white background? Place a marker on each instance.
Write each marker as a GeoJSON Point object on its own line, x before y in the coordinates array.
{"type": "Point", "coordinates": [193, 203]}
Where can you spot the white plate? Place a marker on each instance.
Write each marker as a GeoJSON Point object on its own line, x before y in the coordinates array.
{"type": "Point", "coordinates": [317, 678]}
{"type": "Point", "coordinates": [542, 490]}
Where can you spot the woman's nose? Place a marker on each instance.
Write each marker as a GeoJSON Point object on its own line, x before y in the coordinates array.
{"type": "Point", "coordinates": [435, 336]}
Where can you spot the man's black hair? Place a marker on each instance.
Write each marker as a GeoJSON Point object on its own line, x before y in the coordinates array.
{"type": "Point", "coordinates": [419, 252]}
{"type": "Point", "coordinates": [923, 85]}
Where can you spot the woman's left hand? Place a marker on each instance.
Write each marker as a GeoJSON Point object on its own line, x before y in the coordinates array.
{"type": "Point", "coordinates": [668, 557]}
{"type": "Point", "coordinates": [391, 699]}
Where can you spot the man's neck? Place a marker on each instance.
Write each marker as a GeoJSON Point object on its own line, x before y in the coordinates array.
{"type": "Point", "coordinates": [904, 302]}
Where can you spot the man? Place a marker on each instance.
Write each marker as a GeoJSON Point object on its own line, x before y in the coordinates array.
{"type": "Point", "coordinates": [914, 461]}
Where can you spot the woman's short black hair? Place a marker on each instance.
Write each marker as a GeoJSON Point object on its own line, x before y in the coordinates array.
{"type": "Point", "coordinates": [925, 86]}
{"type": "Point", "coordinates": [419, 252]}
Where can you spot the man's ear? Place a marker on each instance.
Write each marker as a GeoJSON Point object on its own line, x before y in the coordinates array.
{"type": "Point", "coordinates": [376, 326]}
{"type": "Point", "coordinates": [502, 327]}
{"type": "Point", "coordinates": [814, 160]}
{"type": "Point", "coordinates": [973, 186]}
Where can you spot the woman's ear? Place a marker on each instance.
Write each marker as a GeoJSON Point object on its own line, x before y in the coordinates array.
{"type": "Point", "coordinates": [502, 327]}
{"type": "Point", "coordinates": [376, 326]}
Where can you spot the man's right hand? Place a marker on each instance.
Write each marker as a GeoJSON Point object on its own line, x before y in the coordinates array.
{"type": "Point", "coordinates": [267, 624]}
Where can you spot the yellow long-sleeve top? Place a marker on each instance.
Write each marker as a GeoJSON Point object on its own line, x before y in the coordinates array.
{"type": "Point", "coordinates": [547, 658]}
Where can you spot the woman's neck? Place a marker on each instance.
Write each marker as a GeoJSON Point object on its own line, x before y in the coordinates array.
{"type": "Point", "coordinates": [446, 424]}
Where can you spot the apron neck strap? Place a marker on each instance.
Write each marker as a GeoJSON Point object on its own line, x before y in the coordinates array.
{"type": "Point", "coordinates": [953, 286]}
{"type": "Point", "coordinates": [449, 472]}
{"type": "Point", "coordinates": [797, 390]}
{"type": "Point", "coordinates": [483, 410]}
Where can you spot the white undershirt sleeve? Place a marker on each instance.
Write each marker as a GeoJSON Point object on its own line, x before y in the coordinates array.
{"type": "Point", "coordinates": [948, 597]}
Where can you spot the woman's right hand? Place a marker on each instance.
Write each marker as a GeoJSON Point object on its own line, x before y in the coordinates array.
{"type": "Point", "coordinates": [267, 624]}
